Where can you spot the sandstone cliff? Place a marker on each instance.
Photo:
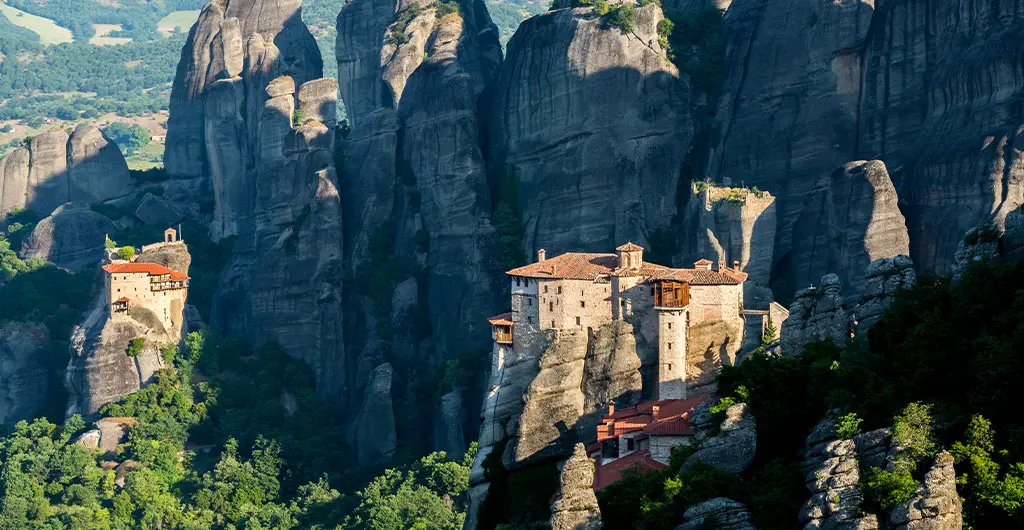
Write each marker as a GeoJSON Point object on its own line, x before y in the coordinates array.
{"type": "Point", "coordinates": [56, 168]}
{"type": "Point", "coordinates": [730, 445]}
{"type": "Point", "coordinates": [72, 237]}
{"type": "Point", "coordinates": [917, 85]}
{"type": "Point", "coordinates": [816, 314]}
{"type": "Point", "coordinates": [24, 375]}
{"type": "Point", "coordinates": [374, 427]}
{"type": "Point", "coordinates": [575, 506]}
{"type": "Point", "coordinates": [592, 125]}
{"type": "Point", "coordinates": [832, 472]}
{"type": "Point", "coordinates": [936, 505]}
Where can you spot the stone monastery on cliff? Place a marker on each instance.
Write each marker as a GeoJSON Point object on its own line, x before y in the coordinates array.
{"type": "Point", "coordinates": [154, 287]}
{"type": "Point", "coordinates": [584, 291]}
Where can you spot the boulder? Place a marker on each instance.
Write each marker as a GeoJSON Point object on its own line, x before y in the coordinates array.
{"type": "Point", "coordinates": [14, 183]}
{"type": "Point", "coordinates": [725, 513]}
{"type": "Point", "coordinates": [98, 170]}
{"type": "Point", "coordinates": [48, 172]}
{"type": "Point", "coordinates": [24, 374]}
{"type": "Point", "coordinates": [154, 210]}
{"type": "Point", "coordinates": [733, 448]}
{"type": "Point", "coordinates": [936, 505]}
{"type": "Point", "coordinates": [72, 237]}
{"type": "Point", "coordinates": [374, 425]}
{"type": "Point", "coordinates": [575, 506]}
{"type": "Point", "coordinates": [816, 314]}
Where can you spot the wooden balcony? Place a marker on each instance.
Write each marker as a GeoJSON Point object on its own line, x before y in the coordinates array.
{"type": "Point", "coordinates": [503, 337]}
{"type": "Point", "coordinates": [671, 294]}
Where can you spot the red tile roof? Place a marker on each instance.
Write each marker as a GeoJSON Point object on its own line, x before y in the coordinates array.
{"type": "Point", "coordinates": [504, 319]}
{"type": "Point", "coordinates": [724, 276]}
{"type": "Point", "coordinates": [151, 269]}
{"type": "Point", "coordinates": [580, 266]}
{"type": "Point", "coordinates": [124, 299]}
{"type": "Point", "coordinates": [673, 419]}
{"type": "Point", "coordinates": [629, 247]}
{"type": "Point", "coordinates": [612, 471]}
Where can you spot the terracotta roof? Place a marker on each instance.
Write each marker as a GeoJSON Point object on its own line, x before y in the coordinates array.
{"type": "Point", "coordinates": [124, 299]}
{"type": "Point", "coordinates": [675, 426]}
{"type": "Point", "coordinates": [673, 419]}
{"type": "Point", "coordinates": [151, 269]}
{"type": "Point", "coordinates": [724, 276]}
{"type": "Point", "coordinates": [629, 247]}
{"type": "Point", "coordinates": [612, 471]}
{"type": "Point", "coordinates": [580, 266]}
{"type": "Point", "coordinates": [703, 261]}
{"type": "Point", "coordinates": [504, 319]}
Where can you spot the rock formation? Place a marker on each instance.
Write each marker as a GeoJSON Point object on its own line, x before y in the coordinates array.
{"type": "Point", "coordinates": [816, 314]}
{"type": "Point", "coordinates": [72, 237]}
{"type": "Point", "coordinates": [100, 370]}
{"type": "Point", "coordinates": [24, 374]}
{"type": "Point", "coordinates": [374, 426]}
{"type": "Point", "coordinates": [848, 220]}
{"type": "Point", "coordinates": [575, 506]}
{"type": "Point", "coordinates": [732, 447]}
{"type": "Point", "coordinates": [832, 474]}
{"type": "Point", "coordinates": [554, 401]}
{"type": "Point", "coordinates": [882, 280]}
{"type": "Point", "coordinates": [935, 505]}
{"type": "Point", "coordinates": [811, 85]}
{"type": "Point", "coordinates": [611, 372]}
{"type": "Point", "coordinates": [56, 168]}
{"type": "Point", "coordinates": [448, 434]}
{"type": "Point", "coordinates": [710, 346]}
{"type": "Point", "coordinates": [726, 514]}
{"type": "Point", "coordinates": [592, 125]}
{"type": "Point", "coordinates": [980, 243]}
{"type": "Point", "coordinates": [156, 211]}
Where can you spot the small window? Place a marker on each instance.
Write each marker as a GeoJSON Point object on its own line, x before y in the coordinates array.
{"type": "Point", "coordinates": [577, 321]}
{"type": "Point", "coordinates": [622, 302]}
{"type": "Point", "coordinates": [670, 346]}
{"type": "Point", "coordinates": [518, 283]}
{"type": "Point", "coordinates": [529, 320]}
{"type": "Point", "coordinates": [559, 289]}
{"type": "Point", "coordinates": [630, 444]}
{"type": "Point", "coordinates": [545, 288]}
{"type": "Point", "coordinates": [669, 325]}
{"type": "Point", "coordinates": [652, 291]}
{"type": "Point", "coordinates": [583, 303]}
{"type": "Point", "coordinates": [529, 301]}
{"type": "Point", "coordinates": [581, 292]}
{"type": "Point", "coordinates": [551, 306]}
{"type": "Point", "coordinates": [670, 367]}
{"type": "Point", "coordinates": [552, 323]}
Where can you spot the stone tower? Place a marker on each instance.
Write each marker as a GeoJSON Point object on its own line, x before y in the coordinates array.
{"type": "Point", "coordinates": [672, 323]}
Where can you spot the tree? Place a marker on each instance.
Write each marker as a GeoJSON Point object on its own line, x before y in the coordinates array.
{"type": "Point", "coordinates": [126, 252]}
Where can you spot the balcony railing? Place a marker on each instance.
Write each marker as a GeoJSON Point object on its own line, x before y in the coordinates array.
{"type": "Point", "coordinates": [503, 337]}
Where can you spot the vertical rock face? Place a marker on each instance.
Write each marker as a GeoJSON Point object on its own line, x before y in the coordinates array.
{"type": "Point", "coordinates": [283, 282]}
{"type": "Point", "coordinates": [57, 168]}
{"type": "Point", "coordinates": [980, 243]}
{"type": "Point", "coordinates": [929, 89]}
{"type": "Point", "coordinates": [592, 124]}
{"type": "Point", "coordinates": [24, 375]}
{"type": "Point", "coordinates": [882, 280]}
{"type": "Point", "coordinates": [849, 220]}
{"type": "Point", "coordinates": [816, 314]}
{"type": "Point", "coordinates": [374, 427]}
{"type": "Point", "coordinates": [731, 447]}
{"type": "Point", "coordinates": [554, 401]}
{"type": "Point", "coordinates": [935, 505]}
{"type": "Point", "coordinates": [611, 373]}
{"type": "Point", "coordinates": [832, 474]}
{"type": "Point", "coordinates": [575, 507]}
{"type": "Point", "coordinates": [448, 434]}
{"type": "Point", "coordinates": [242, 45]}
{"type": "Point", "coordinates": [72, 237]}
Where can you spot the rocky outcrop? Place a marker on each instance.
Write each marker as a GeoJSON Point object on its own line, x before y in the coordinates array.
{"type": "Point", "coordinates": [575, 506]}
{"type": "Point", "coordinates": [554, 401]}
{"type": "Point", "coordinates": [882, 280]}
{"type": "Point", "coordinates": [611, 372]}
{"type": "Point", "coordinates": [56, 168]}
{"type": "Point", "coordinates": [723, 513]}
{"type": "Point", "coordinates": [816, 314]}
{"type": "Point", "coordinates": [935, 505]}
{"type": "Point", "coordinates": [980, 243]}
{"type": "Point", "coordinates": [731, 447]}
{"type": "Point", "coordinates": [832, 474]}
{"type": "Point", "coordinates": [72, 237]}
{"type": "Point", "coordinates": [156, 211]}
{"type": "Point", "coordinates": [848, 220]}
{"type": "Point", "coordinates": [109, 432]}
{"type": "Point", "coordinates": [811, 85]}
{"type": "Point", "coordinates": [234, 50]}
{"type": "Point", "coordinates": [592, 125]}
{"type": "Point", "coordinates": [24, 374]}
{"type": "Point", "coordinates": [374, 427]}
{"type": "Point", "coordinates": [710, 345]}
{"type": "Point", "coordinates": [173, 256]}
{"type": "Point", "coordinates": [448, 434]}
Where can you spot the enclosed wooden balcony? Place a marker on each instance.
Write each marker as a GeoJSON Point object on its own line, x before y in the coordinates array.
{"type": "Point", "coordinates": [668, 293]}
{"type": "Point", "coordinates": [501, 328]}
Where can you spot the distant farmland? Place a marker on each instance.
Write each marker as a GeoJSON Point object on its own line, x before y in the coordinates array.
{"type": "Point", "coordinates": [49, 32]}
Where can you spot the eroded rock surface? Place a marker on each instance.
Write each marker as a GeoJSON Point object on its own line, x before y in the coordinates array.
{"type": "Point", "coordinates": [575, 506]}
{"type": "Point", "coordinates": [980, 243]}
{"type": "Point", "coordinates": [374, 426]}
{"type": "Point", "coordinates": [72, 237]}
{"type": "Point", "coordinates": [611, 372]}
{"type": "Point", "coordinates": [816, 314]}
{"type": "Point", "coordinates": [935, 505]}
{"type": "Point", "coordinates": [24, 375]}
{"type": "Point", "coordinates": [448, 435]}
{"type": "Point", "coordinates": [882, 280]}
{"type": "Point", "coordinates": [732, 449]}
{"type": "Point", "coordinates": [832, 474]}
{"type": "Point", "coordinates": [725, 513]}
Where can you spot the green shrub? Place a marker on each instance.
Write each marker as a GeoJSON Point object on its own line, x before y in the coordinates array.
{"type": "Point", "coordinates": [622, 16]}
{"type": "Point", "coordinates": [126, 252]}
{"type": "Point", "coordinates": [889, 489]}
{"type": "Point", "coordinates": [912, 434]}
{"type": "Point", "coordinates": [848, 426]}
{"type": "Point", "coordinates": [135, 346]}
{"type": "Point", "coordinates": [110, 243]}
{"type": "Point", "coordinates": [446, 8]}
{"type": "Point", "coordinates": [665, 27]}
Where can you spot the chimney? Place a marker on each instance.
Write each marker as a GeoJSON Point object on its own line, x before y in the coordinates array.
{"type": "Point", "coordinates": [654, 411]}
{"type": "Point", "coordinates": [541, 255]}
{"type": "Point", "coordinates": [736, 265]}
{"type": "Point", "coordinates": [721, 264]}
{"type": "Point", "coordinates": [611, 407]}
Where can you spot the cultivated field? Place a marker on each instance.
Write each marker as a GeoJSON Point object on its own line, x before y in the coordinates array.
{"type": "Point", "coordinates": [182, 20]}
{"type": "Point", "coordinates": [49, 32]}
{"type": "Point", "coordinates": [101, 38]}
